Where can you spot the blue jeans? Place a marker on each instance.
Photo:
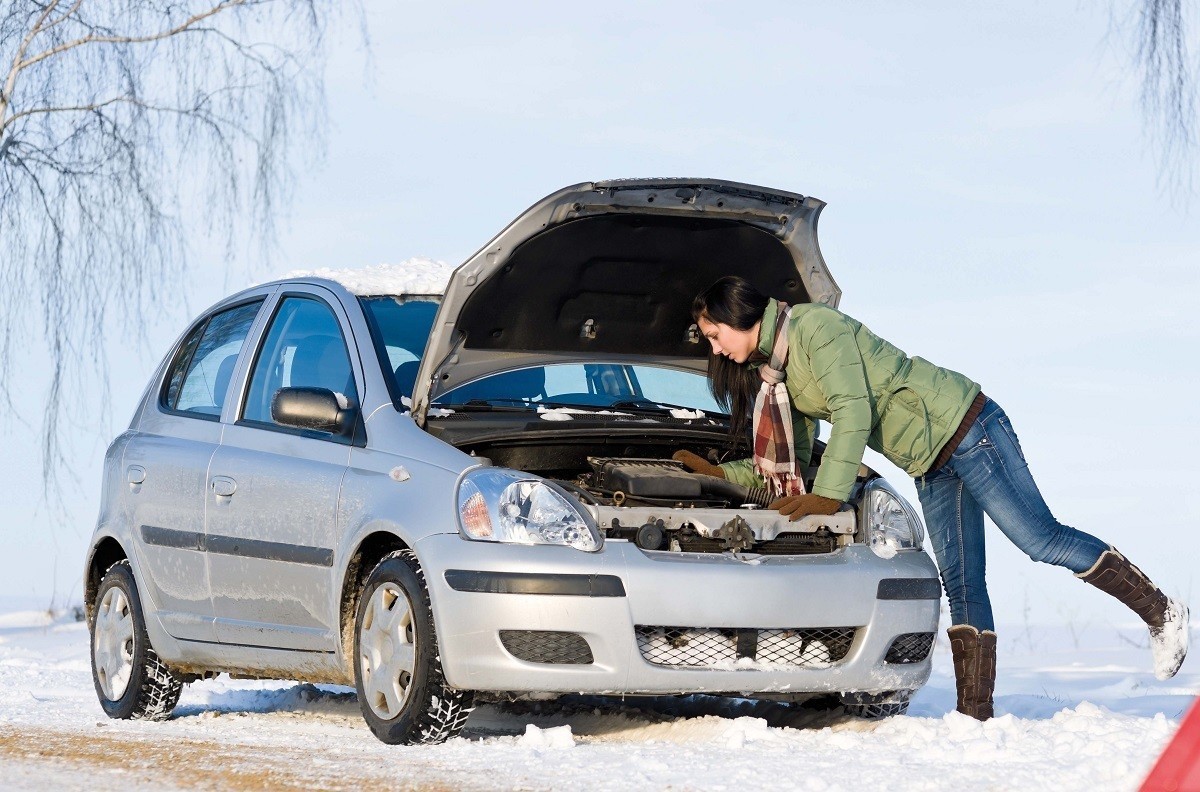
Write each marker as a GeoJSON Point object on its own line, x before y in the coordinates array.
{"type": "Point", "coordinates": [988, 473]}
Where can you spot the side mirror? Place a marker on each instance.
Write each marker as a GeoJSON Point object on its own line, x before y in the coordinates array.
{"type": "Point", "coordinates": [313, 408]}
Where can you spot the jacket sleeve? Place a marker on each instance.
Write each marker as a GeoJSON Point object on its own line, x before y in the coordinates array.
{"type": "Point", "coordinates": [828, 339]}
{"type": "Point", "coordinates": [741, 471]}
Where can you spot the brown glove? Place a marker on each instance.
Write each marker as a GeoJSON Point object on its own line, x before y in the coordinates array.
{"type": "Point", "coordinates": [698, 464]}
{"type": "Point", "coordinates": [796, 506]}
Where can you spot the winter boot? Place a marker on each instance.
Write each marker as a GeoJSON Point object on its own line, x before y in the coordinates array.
{"type": "Point", "coordinates": [1167, 618]}
{"type": "Point", "coordinates": [974, 669]}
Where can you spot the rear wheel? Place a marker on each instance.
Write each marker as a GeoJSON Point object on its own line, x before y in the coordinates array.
{"type": "Point", "coordinates": [131, 681]}
{"type": "Point", "coordinates": [398, 672]}
{"type": "Point", "coordinates": [874, 706]}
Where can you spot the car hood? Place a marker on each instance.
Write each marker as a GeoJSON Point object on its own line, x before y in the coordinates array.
{"type": "Point", "coordinates": [606, 271]}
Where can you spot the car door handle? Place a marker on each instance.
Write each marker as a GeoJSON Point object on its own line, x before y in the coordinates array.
{"type": "Point", "coordinates": [135, 475]}
{"type": "Point", "coordinates": [223, 486]}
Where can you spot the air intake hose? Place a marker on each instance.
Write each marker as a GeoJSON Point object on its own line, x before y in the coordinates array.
{"type": "Point", "coordinates": [712, 485]}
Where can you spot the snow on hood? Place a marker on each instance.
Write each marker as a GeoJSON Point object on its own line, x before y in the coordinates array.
{"type": "Point", "coordinates": [417, 275]}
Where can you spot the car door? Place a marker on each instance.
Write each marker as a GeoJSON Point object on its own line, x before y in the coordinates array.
{"type": "Point", "coordinates": [166, 469]}
{"type": "Point", "coordinates": [273, 490]}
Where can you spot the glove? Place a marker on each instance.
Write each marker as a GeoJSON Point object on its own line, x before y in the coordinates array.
{"type": "Point", "coordinates": [796, 506]}
{"type": "Point", "coordinates": [698, 464]}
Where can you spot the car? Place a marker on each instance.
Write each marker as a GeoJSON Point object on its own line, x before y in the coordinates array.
{"type": "Point", "coordinates": [458, 492]}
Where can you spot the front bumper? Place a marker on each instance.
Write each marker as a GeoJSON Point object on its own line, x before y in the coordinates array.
{"type": "Point", "coordinates": [605, 596]}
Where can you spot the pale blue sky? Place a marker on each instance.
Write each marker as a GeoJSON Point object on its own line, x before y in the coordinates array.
{"type": "Point", "coordinates": [993, 207]}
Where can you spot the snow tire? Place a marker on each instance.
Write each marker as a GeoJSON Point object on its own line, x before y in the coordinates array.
{"type": "Point", "coordinates": [406, 707]}
{"type": "Point", "coordinates": [876, 706]}
{"type": "Point", "coordinates": [152, 689]}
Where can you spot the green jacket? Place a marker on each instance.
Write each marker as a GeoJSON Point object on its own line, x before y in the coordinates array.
{"type": "Point", "coordinates": [872, 393]}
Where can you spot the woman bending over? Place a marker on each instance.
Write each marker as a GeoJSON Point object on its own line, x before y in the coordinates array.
{"type": "Point", "coordinates": [790, 365]}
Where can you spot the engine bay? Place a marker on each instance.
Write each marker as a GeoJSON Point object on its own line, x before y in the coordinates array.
{"type": "Point", "coordinates": [638, 494]}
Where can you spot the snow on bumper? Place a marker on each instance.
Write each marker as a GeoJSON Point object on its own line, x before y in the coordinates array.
{"type": "Point", "coordinates": [479, 590]}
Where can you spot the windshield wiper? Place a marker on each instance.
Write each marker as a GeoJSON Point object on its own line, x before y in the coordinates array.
{"type": "Point", "coordinates": [663, 408]}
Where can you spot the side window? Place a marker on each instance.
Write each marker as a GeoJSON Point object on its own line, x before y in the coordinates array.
{"type": "Point", "coordinates": [303, 348]}
{"type": "Point", "coordinates": [200, 374]}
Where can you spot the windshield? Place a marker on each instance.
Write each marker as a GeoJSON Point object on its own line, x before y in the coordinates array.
{"type": "Point", "coordinates": [589, 385]}
{"type": "Point", "coordinates": [400, 328]}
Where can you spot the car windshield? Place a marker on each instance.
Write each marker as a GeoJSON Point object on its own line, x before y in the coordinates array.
{"type": "Point", "coordinates": [589, 386]}
{"type": "Point", "coordinates": [400, 327]}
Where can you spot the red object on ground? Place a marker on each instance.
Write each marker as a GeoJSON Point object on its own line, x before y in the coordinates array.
{"type": "Point", "coordinates": [1178, 769]}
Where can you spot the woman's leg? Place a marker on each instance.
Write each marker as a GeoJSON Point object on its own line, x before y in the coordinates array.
{"type": "Point", "coordinates": [955, 522]}
{"type": "Point", "coordinates": [991, 464]}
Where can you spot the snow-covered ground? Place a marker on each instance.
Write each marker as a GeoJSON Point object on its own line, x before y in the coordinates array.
{"type": "Point", "coordinates": [1077, 711]}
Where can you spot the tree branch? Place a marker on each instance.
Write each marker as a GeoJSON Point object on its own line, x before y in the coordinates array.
{"type": "Point", "coordinates": [92, 38]}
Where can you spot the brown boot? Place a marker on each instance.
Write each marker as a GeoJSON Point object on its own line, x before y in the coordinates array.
{"type": "Point", "coordinates": [974, 669]}
{"type": "Point", "coordinates": [1167, 619]}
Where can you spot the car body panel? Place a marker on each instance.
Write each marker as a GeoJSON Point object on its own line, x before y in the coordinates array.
{"type": "Point", "coordinates": [677, 590]}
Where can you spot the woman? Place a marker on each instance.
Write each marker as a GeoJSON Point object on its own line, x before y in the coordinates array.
{"type": "Point", "coordinates": [789, 366]}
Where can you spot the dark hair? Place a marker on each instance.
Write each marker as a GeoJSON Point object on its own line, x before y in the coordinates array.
{"type": "Point", "coordinates": [731, 301]}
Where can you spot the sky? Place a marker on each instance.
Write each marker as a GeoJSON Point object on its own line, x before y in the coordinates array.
{"type": "Point", "coordinates": [994, 205]}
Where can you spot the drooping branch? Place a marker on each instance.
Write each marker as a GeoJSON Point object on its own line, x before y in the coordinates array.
{"type": "Point", "coordinates": [1168, 87]}
{"type": "Point", "coordinates": [127, 129]}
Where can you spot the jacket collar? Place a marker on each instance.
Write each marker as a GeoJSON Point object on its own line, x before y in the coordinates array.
{"type": "Point", "coordinates": [766, 331]}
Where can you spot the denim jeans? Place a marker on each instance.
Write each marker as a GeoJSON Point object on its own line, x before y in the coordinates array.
{"type": "Point", "coordinates": [988, 473]}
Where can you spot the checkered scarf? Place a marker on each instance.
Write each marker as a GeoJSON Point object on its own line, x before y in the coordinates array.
{"type": "Point", "coordinates": [774, 453]}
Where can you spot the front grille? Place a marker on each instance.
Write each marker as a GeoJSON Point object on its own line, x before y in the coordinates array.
{"type": "Point", "coordinates": [910, 648]}
{"type": "Point", "coordinates": [701, 647]}
{"type": "Point", "coordinates": [547, 646]}
{"type": "Point", "coordinates": [819, 543]}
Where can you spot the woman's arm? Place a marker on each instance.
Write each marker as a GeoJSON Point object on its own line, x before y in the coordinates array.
{"type": "Point", "coordinates": [804, 429]}
{"type": "Point", "coordinates": [827, 338]}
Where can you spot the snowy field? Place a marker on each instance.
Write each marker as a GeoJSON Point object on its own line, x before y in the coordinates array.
{"type": "Point", "coordinates": [1077, 711]}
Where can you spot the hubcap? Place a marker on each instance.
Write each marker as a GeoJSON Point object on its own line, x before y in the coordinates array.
{"type": "Point", "coordinates": [387, 650]}
{"type": "Point", "coordinates": [112, 648]}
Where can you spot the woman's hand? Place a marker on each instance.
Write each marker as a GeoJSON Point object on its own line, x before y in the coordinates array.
{"type": "Point", "coordinates": [796, 506]}
{"type": "Point", "coordinates": [698, 464]}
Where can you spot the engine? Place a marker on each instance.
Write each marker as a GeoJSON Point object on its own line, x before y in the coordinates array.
{"type": "Point", "coordinates": [662, 482]}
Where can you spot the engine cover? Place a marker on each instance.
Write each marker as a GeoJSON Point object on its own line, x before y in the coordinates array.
{"type": "Point", "coordinates": [650, 478]}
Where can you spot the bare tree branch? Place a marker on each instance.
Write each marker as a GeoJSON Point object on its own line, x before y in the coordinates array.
{"type": "Point", "coordinates": [185, 119]}
{"type": "Point", "coordinates": [146, 39]}
{"type": "Point", "coordinates": [1168, 88]}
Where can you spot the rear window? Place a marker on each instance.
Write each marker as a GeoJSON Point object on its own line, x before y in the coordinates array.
{"type": "Point", "coordinates": [203, 366]}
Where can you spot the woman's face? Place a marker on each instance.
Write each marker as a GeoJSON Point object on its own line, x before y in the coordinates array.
{"type": "Point", "coordinates": [737, 345]}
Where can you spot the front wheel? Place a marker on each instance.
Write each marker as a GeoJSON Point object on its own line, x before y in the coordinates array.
{"type": "Point", "coordinates": [398, 673]}
{"type": "Point", "coordinates": [131, 680]}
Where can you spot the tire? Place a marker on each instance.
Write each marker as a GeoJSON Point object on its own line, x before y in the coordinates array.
{"type": "Point", "coordinates": [397, 670]}
{"type": "Point", "coordinates": [874, 706]}
{"type": "Point", "coordinates": [131, 681]}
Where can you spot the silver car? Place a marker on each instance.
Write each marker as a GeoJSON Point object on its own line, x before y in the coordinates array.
{"type": "Point", "coordinates": [440, 498]}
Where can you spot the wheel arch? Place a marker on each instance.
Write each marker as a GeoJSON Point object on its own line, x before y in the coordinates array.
{"type": "Point", "coordinates": [104, 554]}
{"type": "Point", "coordinates": [371, 549]}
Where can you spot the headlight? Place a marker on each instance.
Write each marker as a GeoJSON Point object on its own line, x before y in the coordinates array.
{"type": "Point", "coordinates": [501, 505]}
{"type": "Point", "coordinates": [889, 522]}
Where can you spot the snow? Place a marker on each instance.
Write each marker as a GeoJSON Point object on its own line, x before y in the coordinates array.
{"type": "Point", "coordinates": [568, 413]}
{"type": "Point", "coordinates": [1170, 643]}
{"type": "Point", "coordinates": [684, 413]}
{"type": "Point", "coordinates": [412, 276]}
{"type": "Point", "coordinates": [1077, 709]}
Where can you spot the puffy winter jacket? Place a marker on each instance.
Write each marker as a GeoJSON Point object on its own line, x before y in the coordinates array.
{"type": "Point", "coordinates": [872, 393]}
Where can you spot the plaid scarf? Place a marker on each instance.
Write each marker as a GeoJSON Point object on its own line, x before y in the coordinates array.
{"type": "Point", "coordinates": [774, 454]}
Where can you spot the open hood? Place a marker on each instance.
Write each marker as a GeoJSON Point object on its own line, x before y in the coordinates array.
{"type": "Point", "coordinates": [607, 271]}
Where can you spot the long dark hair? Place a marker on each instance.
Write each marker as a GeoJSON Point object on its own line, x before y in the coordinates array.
{"type": "Point", "coordinates": [731, 301]}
